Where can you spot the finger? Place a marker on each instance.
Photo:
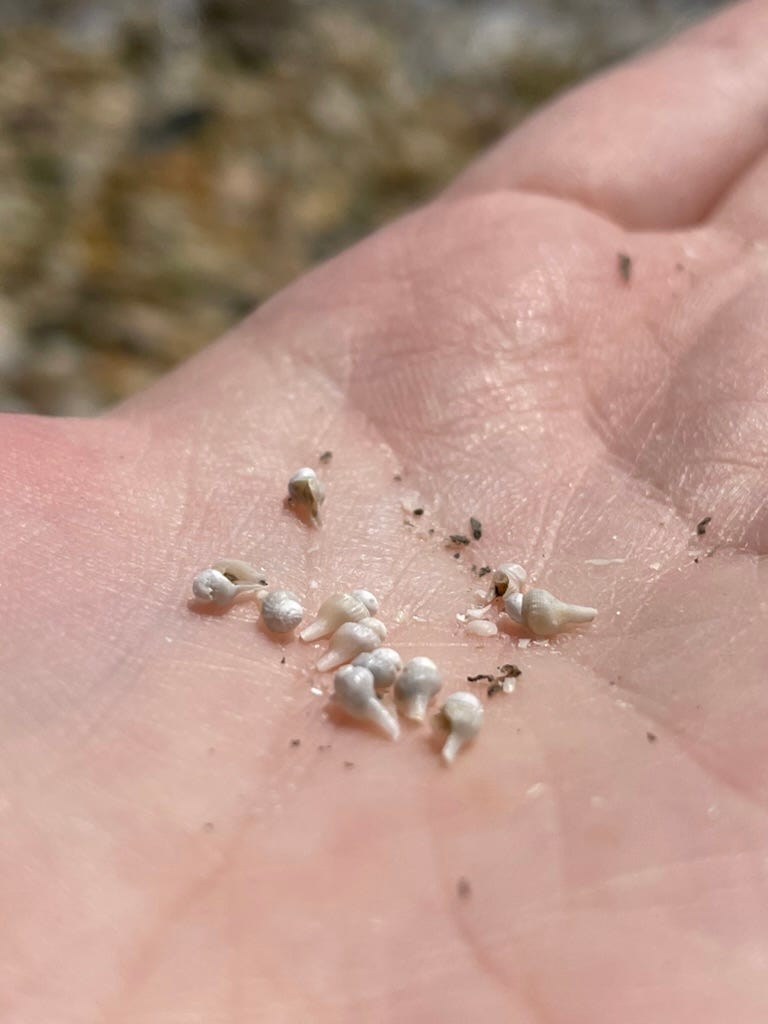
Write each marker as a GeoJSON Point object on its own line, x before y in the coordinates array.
{"type": "Point", "coordinates": [655, 143]}
{"type": "Point", "coordinates": [743, 209]}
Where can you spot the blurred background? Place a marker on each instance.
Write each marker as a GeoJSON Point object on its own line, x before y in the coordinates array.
{"type": "Point", "coordinates": [166, 165]}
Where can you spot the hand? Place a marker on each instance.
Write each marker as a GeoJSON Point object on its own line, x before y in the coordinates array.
{"type": "Point", "coordinates": [600, 854]}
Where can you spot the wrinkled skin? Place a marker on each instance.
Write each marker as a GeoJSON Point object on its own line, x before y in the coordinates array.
{"type": "Point", "coordinates": [168, 856]}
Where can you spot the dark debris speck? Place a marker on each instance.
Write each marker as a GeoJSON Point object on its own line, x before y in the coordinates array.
{"type": "Point", "coordinates": [701, 526]}
{"type": "Point", "coordinates": [459, 538]}
{"type": "Point", "coordinates": [418, 511]}
{"type": "Point", "coordinates": [476, 527]}
{"type": "Point", "coordinates": [457, 554]}
{"type": "Point", "coordinates": [510, 670]}
{"type": "Point", "coordinates": [624, 263]}
{"type": "Point", "coordinates": [326, 456]}
{"type": "Point", "coordinates": [651, 737]}
{"type": "Point", "coordinates": [295, 743]}
{"type": "Point", "coordinates": [282, 660]}
{"type": "Point", "coordinates": [494, 688]}
{"type": "Point", "coordinates": [463, 888]}
{"type": "Point", "coordinates": [484, 570]}
{"type": "Point", "coordinates": [478, 678]}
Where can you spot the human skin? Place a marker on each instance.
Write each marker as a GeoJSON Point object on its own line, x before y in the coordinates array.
{"type": "Point", "coordinates": [169, 857]}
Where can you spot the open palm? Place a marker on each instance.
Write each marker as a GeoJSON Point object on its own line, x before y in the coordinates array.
{"type": "Point", "coordinates": [171, 854]}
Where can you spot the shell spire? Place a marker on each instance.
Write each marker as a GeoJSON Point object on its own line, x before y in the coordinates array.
{"type": "Point", "coordinates": [349, 640]}
{"type": "Point", "coordinates": [332, 613]}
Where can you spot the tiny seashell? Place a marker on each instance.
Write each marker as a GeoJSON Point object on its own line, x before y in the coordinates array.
{"type": "Point", "coordinates": [478, 613]}
{"type": "Point", "coordinates": [349, 640]}
{"type": "Point", "coordinates": [416, 686]}
{"type": "Point", "coordinates": [334, 611]}
{"type": "Point", "coordinates": [384, 663]}
{"type": "Point", "coordinates": [305, 492]}
{"type": "Point", "coordinates": [462, 716]}
{"type": "Point", "coordinates": [509, 576]}
{"type": "Point", "coordinates": [353, 691]}
{"type": "Point", "coordinates": [281, 611]}
{"type": "Point", "coordinates": [376, 625]}
{"type": "Point", "coordinates": [545, 615]}
{"type": "Point", "coordinates": [368, 599]}
{"type": "Point", "coordinates": [214, 587]}
{"type": "Point", "coordinates": [482, 627]}
{"type": "Point", "coordinates": [240, 572]}
{"type": "Point", "coordinates": [513, 605]}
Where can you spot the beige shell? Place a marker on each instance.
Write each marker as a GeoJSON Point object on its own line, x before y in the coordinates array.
{"type": "Point", "coordinates": [240, 572]}
{"type": "Point", "coordinates": [546, 615]}
{"type": "Point", "coordinates": [334, 611]}
{"type": "Point", "coordinates": [349, 640]}
{"type": "Point", "coordinates": [306, 493]}
{"type": "Point", "coordinates": [508, 576]}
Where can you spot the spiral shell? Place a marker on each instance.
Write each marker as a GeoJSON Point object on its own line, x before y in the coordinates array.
{"type": "Point", "coordinates": [334, 611]}
{"type": "Point", "coordinates": [546, 615]}
{"type": "Point", "coordinates": [349, 640]}
{"type": "Point", "coordinates": [281, 611]}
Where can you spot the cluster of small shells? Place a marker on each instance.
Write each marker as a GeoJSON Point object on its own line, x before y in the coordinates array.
{"type": "Point", "coordinates": [229, 579]}
{"type": "Point", "coordinates": [365, 671]}
{"type": "Point", "coordinates": [540, 612]}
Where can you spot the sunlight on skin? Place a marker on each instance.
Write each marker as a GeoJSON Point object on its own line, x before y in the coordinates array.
{"type": "Point", "coordinates": [169, 854]}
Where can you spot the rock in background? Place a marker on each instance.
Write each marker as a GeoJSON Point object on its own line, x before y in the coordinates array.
{"type": "Point", "coordinates": [166, 166]}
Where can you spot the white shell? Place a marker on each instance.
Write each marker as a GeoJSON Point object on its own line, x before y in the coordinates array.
{"type": "Point", "coordinates": [334, 611]}
{"type": "Point", "coordinates": [306, 492]}
{"type": "Point", "coordinates": [513, 605]}
{"type": "Point", "coordinates": [213, 586]}
{"type": "Point", "coordinates": [509, 576]}
{"type": "Point", "coordinates": [349, 640]}
{"type": "Point", "coordinates": [546, 615]}
{"type": "Point", "coordinates": [240, 572]}
{"type": "Point", "coordinates": [482, 627]}
{"type": "Point", "coordinates": [462, 716]}
{"type": "Point", "coordinates": [353, 690]}
{"type": "Point", "coordinates": [281, 611]}
{"type": "Point", "coordinates": [368, 599]}
{"type": "Point", "coordinates": [385, 664]}
{"type": "Point", "coordinates": [376, 625]}
{"type": "Point", "coordinates": [476, 613]}
{"type": "Point", "coordinates": [416, 686]}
